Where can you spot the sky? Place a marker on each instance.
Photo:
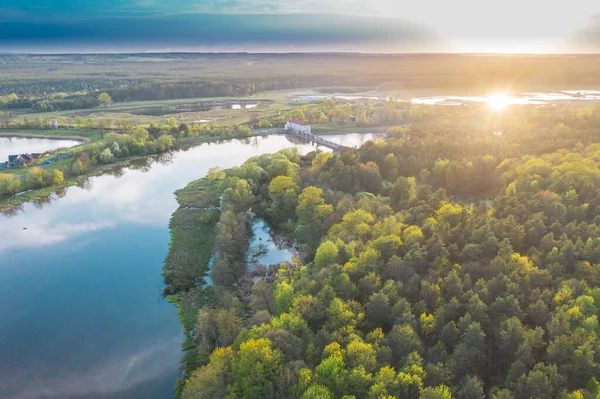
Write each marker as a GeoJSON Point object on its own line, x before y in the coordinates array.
{"type": "Point", "coordinates": [521, 26]}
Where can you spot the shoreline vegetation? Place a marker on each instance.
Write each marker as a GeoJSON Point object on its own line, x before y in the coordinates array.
{"type": "Point", "coordinates": [421, 257]}
{"type": "Point", "coordinates": [43, 195]}
{"type": "Point", "coordinates": [112, 144]}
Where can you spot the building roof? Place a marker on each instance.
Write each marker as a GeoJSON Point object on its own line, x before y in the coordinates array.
{"type": "Point", "coordinates": [298, 122]}
{"type": "Point", "coordinates": [11, 158]}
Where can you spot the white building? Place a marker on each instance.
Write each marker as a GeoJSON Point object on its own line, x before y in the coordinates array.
{"type": "Point", "coordinates": [298, 126]}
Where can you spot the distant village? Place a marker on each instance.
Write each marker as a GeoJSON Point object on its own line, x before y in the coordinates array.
{"type": "Point", "coordinates": [22, 160]}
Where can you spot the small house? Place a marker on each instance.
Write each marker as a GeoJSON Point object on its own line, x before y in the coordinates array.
{"type": "Point", "coordinates": [17, 161]}
{"type": "Point", "coordinates": [298, 126]}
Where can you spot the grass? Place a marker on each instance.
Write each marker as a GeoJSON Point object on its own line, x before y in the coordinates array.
{"type": "Point", "coordinates": [134, 105]}
{"type": "Point", "coordinates": [192, 229]}
{"type": "Point", "coordinates": [192, 236]}
{"type": "Point", "coordinates": [126, 111]}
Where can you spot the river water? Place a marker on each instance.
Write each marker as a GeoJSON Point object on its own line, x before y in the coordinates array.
{"type": "Point", "coordinates": [22, 145]}
{"type": "Point", "coordinates": [80, 308]}
{"type": "Point", "coordinates": [525, 98]}
{"type": "Point", "coordinates": [529, 98]}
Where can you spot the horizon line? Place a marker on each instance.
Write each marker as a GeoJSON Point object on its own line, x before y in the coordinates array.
{"type": "Point", "coordinates": [415, 53]}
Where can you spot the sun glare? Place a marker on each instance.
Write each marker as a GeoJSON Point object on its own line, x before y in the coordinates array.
{"type": "Point", "coordinates": [498, 101]}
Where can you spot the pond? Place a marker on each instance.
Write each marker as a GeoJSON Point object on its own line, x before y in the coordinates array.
{"type": "Point", "coordinates": [25, 145]}
{"type": "Point", "coordinates": [263, 249]}
{"type": "Point", "coordinates": [81, 281]}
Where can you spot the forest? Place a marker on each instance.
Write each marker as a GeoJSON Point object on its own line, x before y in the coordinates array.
{"type": "Point", "coordinates": [439, 262]}
{"type": "Point", "coordinates": [41, 86]}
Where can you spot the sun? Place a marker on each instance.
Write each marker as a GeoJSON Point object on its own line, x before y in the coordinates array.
{"type": "Point", "coordinates": [498, 101]}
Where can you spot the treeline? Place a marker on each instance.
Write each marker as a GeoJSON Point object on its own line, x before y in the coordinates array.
{"type": "Point", "coordinates": [82, 159]}
{"type": "Point", "coordinates": [49, 103]}
{"type": "Point", "coordinates": [69, 97]}
{"type": "Point", "coordinates": [35, 178]}
{"type": "Point", "coordinates": [46, 86]}
{"type": "Point", "coordinates": [399, 290]}
{"type": "Point", "coordinates": [209, 88]}
{"type": "Point", "coordinates": [134, 141]}
{"type": "Point", "coordinates": [155, 89]}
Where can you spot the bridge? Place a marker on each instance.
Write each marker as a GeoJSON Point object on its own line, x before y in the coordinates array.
{"type": "Point", "coordinates": [317, 139]}
{"type": "Point", "coordinates": [336, 147]}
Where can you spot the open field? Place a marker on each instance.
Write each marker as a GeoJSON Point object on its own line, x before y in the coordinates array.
{"type": "Point", "coordinates": [461, 74]}
{"type": "Point", "coordinates": [151, 107]}
{"type": "Point", "coordinates": [201, 88]}
{"type": "Point", "coordinates": [217, 111]}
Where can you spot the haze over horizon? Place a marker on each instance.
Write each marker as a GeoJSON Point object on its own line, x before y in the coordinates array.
{"type": "Point", "coordinates": [386, 26]}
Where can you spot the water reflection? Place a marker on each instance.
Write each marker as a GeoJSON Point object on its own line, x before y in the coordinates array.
{"type": "Point", "coordinates": [109, 378]}
{"type": "Point", "coordinates": [41, 202]}
{"type": "Point", "coordinates": [263, 248]}
{"type": "Point", "coordinates": [81, 268]}
{"type": "Point", "coordinates": [61, 192]}
{"type": "Point", "coordinates": [11, 211]}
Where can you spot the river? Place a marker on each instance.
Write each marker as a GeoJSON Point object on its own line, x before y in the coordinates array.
{"type": "Point", "coordinates": [80, 306]}
{"type": "Point", "coordinates": [22, 145]}
{"type": "Point", "coordinates": [528, 98]}
{"type": "Point", "coordinates": [525, 98]}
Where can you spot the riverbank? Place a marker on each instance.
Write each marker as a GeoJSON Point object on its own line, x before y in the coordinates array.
{"type": "Point", "coordinates": [81, 139]}
{"type": "Point", "coordinates": [44, 194]}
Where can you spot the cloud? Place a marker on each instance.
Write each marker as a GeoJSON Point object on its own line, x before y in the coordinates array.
{"type": "Point", "coordinates": [464, 25]}
{"type": "Point", "coordinates": [220, 32]}
{"type": "Point", "coordinates": [43, 234]}
{"type": "Point", "coordinates": [111, 378]}
{"type": "Point", "coordinates": [587, 39]}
